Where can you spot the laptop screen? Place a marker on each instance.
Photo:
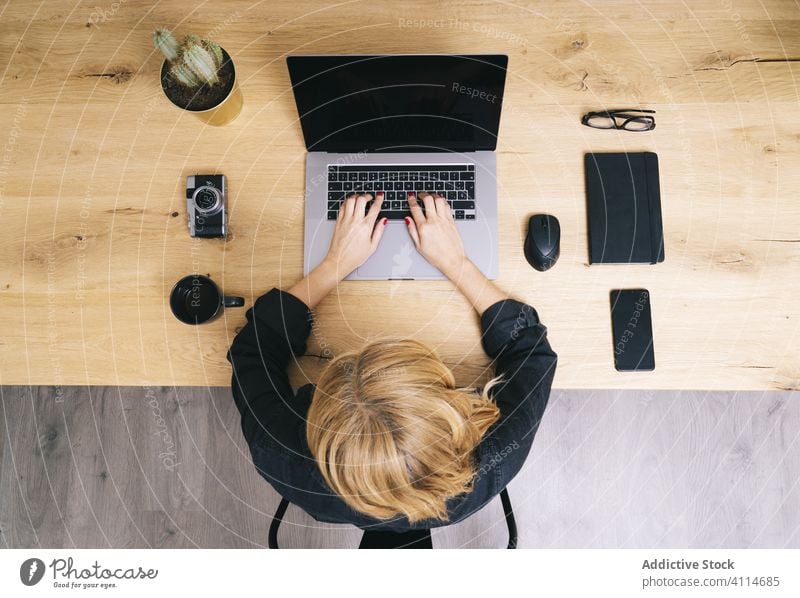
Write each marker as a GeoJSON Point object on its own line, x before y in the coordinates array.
{"type": "Point", "coordinates": [399, 102]}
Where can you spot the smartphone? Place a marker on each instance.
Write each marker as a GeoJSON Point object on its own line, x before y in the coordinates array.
{"type": "Point", "coordinates": [632, 328]}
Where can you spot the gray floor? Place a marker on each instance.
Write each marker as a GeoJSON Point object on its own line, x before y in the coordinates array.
{"type": "Point", "coordinates": [166, 468]}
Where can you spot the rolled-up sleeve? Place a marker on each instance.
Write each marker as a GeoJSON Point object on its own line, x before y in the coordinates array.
{"type": "Point", "coordinates": [277, 329]}
{"type": "Point", "coordinates": [517, 341]}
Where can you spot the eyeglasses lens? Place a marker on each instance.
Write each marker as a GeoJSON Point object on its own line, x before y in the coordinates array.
{"type": "Point", "coordinates": [601, 122]}
{"type": "Point", "coordinates": [638, 124]}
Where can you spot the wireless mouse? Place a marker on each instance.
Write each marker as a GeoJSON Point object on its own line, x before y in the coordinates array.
{"type": "Point", "coordinates": [543, 241]}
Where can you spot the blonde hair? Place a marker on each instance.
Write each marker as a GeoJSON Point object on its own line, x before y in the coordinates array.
{"type": "Point", "coordinates": [391, 433]}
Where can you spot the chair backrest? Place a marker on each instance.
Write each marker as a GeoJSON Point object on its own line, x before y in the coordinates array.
{"type": "Point", "coordinates": [413, 539]}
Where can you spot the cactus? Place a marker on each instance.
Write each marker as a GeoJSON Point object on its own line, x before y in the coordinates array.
{"type": "Point", "coordinates": [192, 63]}
{"type": "Point", "coordinates": [201, 63]}
{"type": "Point", "coordinates": [216, 53]}
{"type": "Point", "coordinates": [163, 40]}
{"type": "Point", "coordinates": [191, 40]}
{"type": "Point", "coordinates": [183, 74]}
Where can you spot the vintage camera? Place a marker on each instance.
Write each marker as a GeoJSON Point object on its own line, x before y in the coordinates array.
{"type": "Point", "coordinates": [205, 204]}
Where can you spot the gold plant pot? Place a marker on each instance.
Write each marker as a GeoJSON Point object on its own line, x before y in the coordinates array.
{"type": "Point", "coordinates": [227, 109]}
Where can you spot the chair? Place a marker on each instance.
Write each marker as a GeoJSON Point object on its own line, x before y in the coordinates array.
{"type": "Point", "coordinates": [410, 539]}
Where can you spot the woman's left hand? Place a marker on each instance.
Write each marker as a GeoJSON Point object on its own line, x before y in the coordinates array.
{"type": "Point", "coordinates": [356, 235]}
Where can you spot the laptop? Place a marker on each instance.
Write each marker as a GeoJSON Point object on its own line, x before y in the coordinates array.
{"type": "Point", "coordinates": [398, 124]}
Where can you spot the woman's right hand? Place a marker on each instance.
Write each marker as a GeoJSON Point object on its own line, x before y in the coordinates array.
{"type": "Point", "coordinates": [435, 234]}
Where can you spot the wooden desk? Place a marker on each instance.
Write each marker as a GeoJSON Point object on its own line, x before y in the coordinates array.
{"type": "Point", "coordinates": [94, 159]}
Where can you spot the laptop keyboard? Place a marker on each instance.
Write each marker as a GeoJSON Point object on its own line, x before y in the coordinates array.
{"type": "Point", "coordinates": [455, 182]}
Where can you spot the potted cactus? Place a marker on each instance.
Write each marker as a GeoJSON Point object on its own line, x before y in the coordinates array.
{"type": "Point", "coordinates": [198, 75]}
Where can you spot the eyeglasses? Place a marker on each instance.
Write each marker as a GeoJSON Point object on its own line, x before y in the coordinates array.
{"type": "Point", "coordinates": [623, 119]}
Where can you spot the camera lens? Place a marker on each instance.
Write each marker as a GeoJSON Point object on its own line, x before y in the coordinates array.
{"type": "Point", "coordinates": [207, 199]}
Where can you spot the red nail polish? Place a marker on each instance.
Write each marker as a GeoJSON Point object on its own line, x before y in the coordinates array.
{"type": "Point", "coordinates": [408, 220]}
{"type": "Point", "coordinates": [380, 194]}
{"type": "Point", "coordinates": [410, 195]}
{"type": "Point", "coordinates": [385, 220]}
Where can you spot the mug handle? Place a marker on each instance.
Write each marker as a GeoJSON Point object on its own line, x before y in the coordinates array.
{"type": "Point", "coordinates": [233, 301]}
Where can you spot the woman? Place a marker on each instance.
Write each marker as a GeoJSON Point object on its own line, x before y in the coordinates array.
{"type": "Point", "coordinates": [386, 440]}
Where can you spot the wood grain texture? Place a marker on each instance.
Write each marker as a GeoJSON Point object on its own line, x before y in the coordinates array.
{"type": "Point", "coordinates": [94, 160]}
{"type": "Point", "coordinates": [162, 467]}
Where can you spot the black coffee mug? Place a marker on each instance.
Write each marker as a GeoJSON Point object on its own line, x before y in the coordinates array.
{"type": "Point", "coordinates": [196, 299]}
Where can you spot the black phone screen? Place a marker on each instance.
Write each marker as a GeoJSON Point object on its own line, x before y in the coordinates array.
{"type": "Point", "coordinates": [633, 330]}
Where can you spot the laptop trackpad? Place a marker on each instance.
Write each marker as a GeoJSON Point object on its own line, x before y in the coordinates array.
{"type": "Point", "coordinates": [396, 257]}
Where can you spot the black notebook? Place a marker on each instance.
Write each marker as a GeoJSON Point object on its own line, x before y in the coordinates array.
{"type": "Point", "coordinates": [624, 207]}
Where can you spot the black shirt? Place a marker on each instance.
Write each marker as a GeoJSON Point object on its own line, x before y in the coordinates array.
{"type": "Point", "coordinates": [274, 417]}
